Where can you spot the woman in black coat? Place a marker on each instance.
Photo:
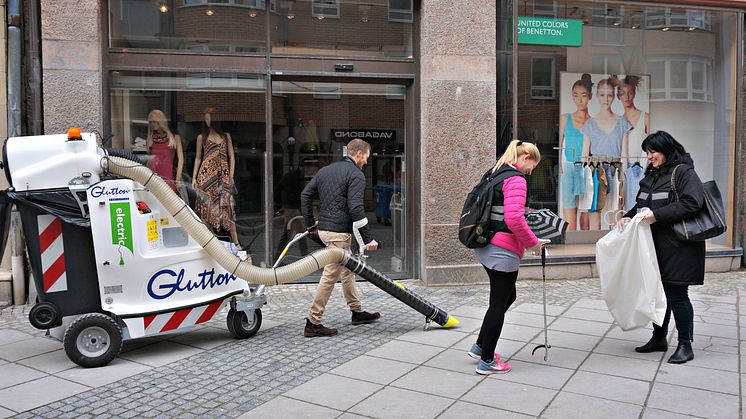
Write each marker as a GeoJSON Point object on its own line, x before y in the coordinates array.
{"type": "Point", "coordinates": [681, 263]}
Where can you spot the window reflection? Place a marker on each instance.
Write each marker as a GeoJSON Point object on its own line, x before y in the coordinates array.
{"type": "Point", "coordinates": [236, 26]}
{"type": "Point", "coordinates": [312, 124]}
{"type": "Point", "coordinates": [344, 28]}
{"type": "Point", "coordinates": [217, 122]}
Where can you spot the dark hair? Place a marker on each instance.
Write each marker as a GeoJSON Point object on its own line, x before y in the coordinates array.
{"type": "Point", "coordinates": [633, 81]}
{"type": "Point", "coordinates": [585, 81]}
{"type": "Point", "coordinates": [214, 126]}
{"type": "Point", "coordinates": [664, 143]}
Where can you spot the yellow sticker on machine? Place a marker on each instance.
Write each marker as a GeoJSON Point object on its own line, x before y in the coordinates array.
{"type": "Point", "coordinates": [164, 221]}
{"type": "Point", "coordinates": [152, 231]}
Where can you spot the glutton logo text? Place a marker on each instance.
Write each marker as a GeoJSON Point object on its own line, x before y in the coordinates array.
{"type": "Point", "coordinates": [167, 282]}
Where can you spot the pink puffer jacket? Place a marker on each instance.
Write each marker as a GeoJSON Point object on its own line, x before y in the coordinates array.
{"type": "Point", "coordinates": [515, 191]}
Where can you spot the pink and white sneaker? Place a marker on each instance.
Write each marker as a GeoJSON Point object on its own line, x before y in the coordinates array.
{"type": "Point", "coordinates": [494, 367]}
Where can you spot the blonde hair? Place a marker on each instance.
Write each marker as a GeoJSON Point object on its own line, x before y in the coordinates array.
{"type": "Point", "coordinates": [156, 115]}
{"type": "Point", "coordinates": [516, 149]}
{"type": "Point", "coordinates": [611, 81]}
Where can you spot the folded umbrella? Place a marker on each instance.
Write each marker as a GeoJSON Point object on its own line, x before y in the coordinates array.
{"type": "Point", "coordinates": [546, 224]}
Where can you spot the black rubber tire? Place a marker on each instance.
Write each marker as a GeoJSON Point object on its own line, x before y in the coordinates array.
{"type": "Point", "coordinates": [45, 315]}
{"type": "Point", "coordinates": [93, 340]}
{"type": "Point", "coordinates": [241, 327]}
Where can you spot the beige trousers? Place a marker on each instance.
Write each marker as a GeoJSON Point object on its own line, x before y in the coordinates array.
{"type": "Point", "coordinates": [332, 273]}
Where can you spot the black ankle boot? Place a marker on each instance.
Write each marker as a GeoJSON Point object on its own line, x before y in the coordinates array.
{"type": "Point", "coordinates": [655, 344]}
{"type": "Point", "coordinates": [683, 353]}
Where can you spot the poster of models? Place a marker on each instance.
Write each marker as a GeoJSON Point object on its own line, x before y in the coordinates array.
{"type": "Point", "coordinates": [603, 121]}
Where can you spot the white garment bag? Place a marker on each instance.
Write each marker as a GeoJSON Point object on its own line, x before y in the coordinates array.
{"type": "Point", "coordinates": [630, 277]}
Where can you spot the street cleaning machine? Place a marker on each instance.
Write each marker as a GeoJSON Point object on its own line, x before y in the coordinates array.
{"type": "Point", "coordinates": [116, 254]}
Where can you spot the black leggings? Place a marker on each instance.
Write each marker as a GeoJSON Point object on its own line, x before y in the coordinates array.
{"type": "Point", "coordinates": [502, 295]}
{"type": "Point", "coordinates": [677, 297]}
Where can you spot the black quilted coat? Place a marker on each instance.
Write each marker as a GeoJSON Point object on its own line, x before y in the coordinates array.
{"type": "Point", "coordinates": [340, 188]}
{"type": "Point", "coordinates": [681, 263]}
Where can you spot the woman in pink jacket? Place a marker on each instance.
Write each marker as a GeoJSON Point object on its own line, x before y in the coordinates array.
{"type": "Point", "coordinates": [502, 257]}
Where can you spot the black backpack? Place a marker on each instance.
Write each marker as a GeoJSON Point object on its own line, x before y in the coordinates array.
{"type": "Point", "coordinates": [474, 226]}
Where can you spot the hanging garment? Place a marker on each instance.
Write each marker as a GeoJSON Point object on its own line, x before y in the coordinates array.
{"type": "Point", "coordinates": [578, 183]}
{"type": "Point", "coordinates": [594, 201]}
{"type": "Point", "coordinates": [603, 187]}
{"type": "Point", "coordinates": [635, 137]}
{"type": "Point", "coordinates": [215, 203]}
{"type": "Point", "coordinates": [586, 199]}
{"type": "Point", "coordinates": [633, 176]}
{"type": "Point", "coordinates": [162, 158]}
{"type": "Point", "coordinates": [612, 200]}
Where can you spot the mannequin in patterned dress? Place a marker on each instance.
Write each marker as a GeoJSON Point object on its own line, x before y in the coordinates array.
{"type": "Point", "coordinates": [164, 146]}
{"type": "Point", "coordinates": [212, 178]}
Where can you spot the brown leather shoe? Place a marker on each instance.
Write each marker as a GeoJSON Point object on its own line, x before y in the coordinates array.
{"type": "Point", "coordinates": [313, 330]}
{"type": "Point", "coordinates": [363, 317]}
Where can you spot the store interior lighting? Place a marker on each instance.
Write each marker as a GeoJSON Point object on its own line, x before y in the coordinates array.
{"type": "Point", "coordinates": [364, 9]}
{"type": "Point", "coordinates": [163, 8]}
{"type": "Point", "coordinates": [291, 14]}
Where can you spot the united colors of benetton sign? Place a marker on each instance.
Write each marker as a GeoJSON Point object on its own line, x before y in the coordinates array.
{"type": "Point", "coordinates": [545, 31]}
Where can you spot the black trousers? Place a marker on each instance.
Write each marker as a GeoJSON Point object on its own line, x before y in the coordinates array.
{"type": "Point", "coordinates": [502, 295]}
{"type": "Point", "coordinates": [677, 297]}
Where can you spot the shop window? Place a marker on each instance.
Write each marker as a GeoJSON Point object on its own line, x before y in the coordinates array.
{"type": "Point", "coordinates": [607, 25]}
{"type": "Point", "coordinates": [542, 77]}
{"type": "Point", "coordinates": [401, 11]}
{"type": "Point", "coordinates": [366, 28]}
{"type": "Point", "coordinates": [254, 4]}
{"type": "Point", "coordinates": [685, 79]}
{"type": "Point", "coordinates": [325, 8]}
{"type": "Point", "coordinates": [542, 9]}
{"type": "Point", "coordinates": [330, 91]}
{"type": "Point", "coordinates": [223, 25]}
{"type": "Point", "coordinates": [606, 64]}
{"type": "Point", "coordinates": [668, 19]}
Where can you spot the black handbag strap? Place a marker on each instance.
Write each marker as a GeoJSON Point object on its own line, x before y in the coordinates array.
{"type": "Point", "coordinates": [673, 182]}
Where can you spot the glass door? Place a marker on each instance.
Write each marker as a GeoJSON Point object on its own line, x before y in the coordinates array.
{"type": "Point", "coordinates": [311, 124]}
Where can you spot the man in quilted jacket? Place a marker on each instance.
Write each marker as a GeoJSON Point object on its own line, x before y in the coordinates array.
{"type": "Point", "coordinates": [340, 188]}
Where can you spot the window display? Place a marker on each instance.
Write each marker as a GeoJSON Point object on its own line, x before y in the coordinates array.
{"type": "Point", "coordinates": [640, 69]}
{"type": "Point", "coordinates": [603, 120]}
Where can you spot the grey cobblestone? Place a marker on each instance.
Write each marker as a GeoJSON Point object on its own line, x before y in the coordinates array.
{"type": "Point", "coordinates": [243, 374]}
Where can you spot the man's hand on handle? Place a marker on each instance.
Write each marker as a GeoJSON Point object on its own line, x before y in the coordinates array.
{"type": "Point", "coordinates": [314, 229]}
{"type": "Point", "coordinates": [373, 245]}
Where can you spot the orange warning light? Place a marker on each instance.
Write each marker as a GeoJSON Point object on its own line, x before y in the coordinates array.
{"type": "Point", "coordinates": [74, 134]}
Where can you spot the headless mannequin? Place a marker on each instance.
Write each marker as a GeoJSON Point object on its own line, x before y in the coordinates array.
{"type": "Point", "coordinates": [215, 204]}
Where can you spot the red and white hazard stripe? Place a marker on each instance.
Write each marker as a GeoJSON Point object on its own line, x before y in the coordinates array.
{"type": "Point", "coordinates": [181, 318]}
{"type": "Point", "coordinates": [52, 253]}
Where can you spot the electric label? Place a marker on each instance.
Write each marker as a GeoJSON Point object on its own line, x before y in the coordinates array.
{"type": "Point", "coordinates": [121, 224]}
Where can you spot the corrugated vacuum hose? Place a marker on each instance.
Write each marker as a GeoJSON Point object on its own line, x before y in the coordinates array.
{"type": "Point", "coordinates": [191, 223]}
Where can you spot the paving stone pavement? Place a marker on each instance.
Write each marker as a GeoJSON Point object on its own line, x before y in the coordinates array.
{"type": "Point", "coordinates": [393, 368]}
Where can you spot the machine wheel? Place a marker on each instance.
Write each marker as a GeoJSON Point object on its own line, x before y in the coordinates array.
{"type": "Point", "coordinates": [93, 340]}
{"type": "Point", "coordinates": [45, 315]}
{"type": "Point", "coordinates": [242, 327]}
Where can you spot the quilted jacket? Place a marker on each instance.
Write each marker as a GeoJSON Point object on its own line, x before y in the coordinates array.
{"type": "Point", "coordinates": [514, 201]}
{"type": "Point", "coordinates": [339, 187]}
